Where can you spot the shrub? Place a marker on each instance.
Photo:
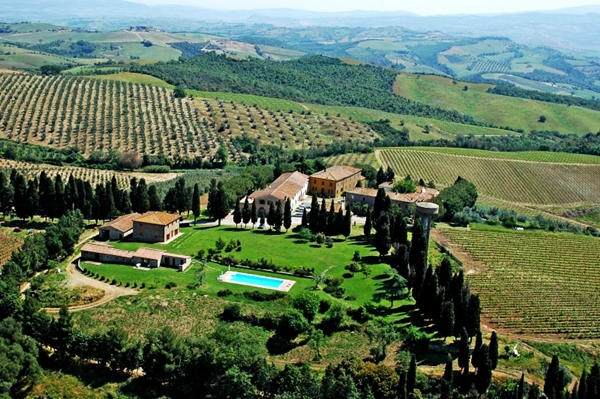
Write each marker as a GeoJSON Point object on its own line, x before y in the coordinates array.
{"type": "Point", "coordinates": [320, 238]}
{"type": "Point", "coordinates": [220, 244]}
{"type": "Point", "coordinates": [353, 267]}
{"type": "Point", "coordinates": [225, 292]}
{"type": "Point", "coordinates": [143, 285]}
{"type": "Point", "coordinates": [113, 282]}
{"type": "Point", "coordinates": [201, 254]}
{"type": "Point", "coordinates": [307, 303]}
{"type": "Point", "coordinates": [264, 297]}
{"type": "Point", "coordinates": [170, 285]}
{"type": "Point", "coordinates": [360, 315]}
{"type": "Point", "coordinates": [232, 312]}
{"type": "Point", "coordinates": [329, 242]}
{"type": "Point", "coordinates": [324, 305]}
{"type": "Point", "coordinates": [291, 324]}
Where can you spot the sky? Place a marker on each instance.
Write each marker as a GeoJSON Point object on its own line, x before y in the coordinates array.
{"type": "Point", "coordinates": [422, 7]}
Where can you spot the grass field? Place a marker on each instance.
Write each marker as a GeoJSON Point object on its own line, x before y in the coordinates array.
{"type": "Point", "coordinates": [500, 110]}
{"type": "Point", "coordinates": [535, 283]}
{"type": "Point", "coordinates": [517, 178]}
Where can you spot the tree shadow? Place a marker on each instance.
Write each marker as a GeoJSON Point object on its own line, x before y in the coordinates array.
{"type": "Point", "coordinates": [92, 375]}
{"type": "Point", "coordinates": [381, 276]}
{"type": "Point", "coordinates": [371, 260]}
{"type": "Point", "coordinates": [278, 345]}
{"type": "Point", "coordinates": [26, 224]}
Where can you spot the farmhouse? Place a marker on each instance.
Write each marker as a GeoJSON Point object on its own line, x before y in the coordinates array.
{"type": "Point", "coordinates": [361, 195]}
{"type": "Point", "coordinates": [119, 228]}
{"type": "Point", "coordinates": [156, 227]}
{"type": "Point", "coordinates": [146, 257]}
{"type": "Point", "coordinates": [292, 186]}
{"type": "Point", "coordinates": [334, 181]}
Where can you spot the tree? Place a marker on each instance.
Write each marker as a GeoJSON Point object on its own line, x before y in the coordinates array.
{"type": "Point", "coordinates": [552, 378]}
{"type": "Point", "coordinates": [253, 214]}
{"type": "Point", "coordinates": [484, 371]}
{"type": "Point", "coordinates": [304, 218]}
{"type": "Point", "coordinates": [154, 201]}
{"type": "Point", "coordinates": [382, 337]}
{"type": "Point", "coordinates": [448, 371]}
{"type": "Point", "coordinates": [21, 201]}
{"type": "Point", "coordinates": [291, 324]}
{"type": "Point", "coordinates": [389, 174]}
{"type": "Point", "coordinates": [246, 212]}
{"type": "Point", "coordinates": [382, 236]}
{"type": "Point", "coordinates": [222, 155]}
{"type": "Point", "coordinates": [411, 375]}
{"type": "Point", "coordinates": [407, 185]}
{"type": "Point", "coordinates": [179, 91]}
{"type": "Point", "coordinates": [218, 200]}
{"type": "Point", "coordinates": [308, 304]}
{"type": "Point", "coordinates": [521, 388]}
{"type": "Point", "coordinates": [394, 288]}
{"type": "Point", "coordinates": [381, 176]}
{"type": "Point", "coordinates": [143, 199]}
{"type": "Point", "coordinates": [271, 216]}
{"type": "Point", "coordinates": [476, 356]}
{"type": "Point", "coordinates": [473, 316]}
{"type": "Point", "coordinates": [314, 215]}
{"type": "Point", "coordinates": [315, 340]}
{"type": "Point", "coordinates": [446, 322]}
{"type": "Point", "coordinates": [287, 215]}
{"type": "Point", "coordinates": [367, 227]}
{"type": "Point", "coordinates": [494, 350]}
{"type": "Point", "coordinates": [379, 205]}
{"type": "Point", "coordinates": [542, 119]}
{"type": "Point", "coordinates": [130, 160]}
{"type": "Point", "coordinates": [347, 223]}
{"type": "Point", "coordinates": [237, 214]}
{"type": "Point", "coordinates": [196, 202]}
{"type": "Point", "coordinates": [463, 350]}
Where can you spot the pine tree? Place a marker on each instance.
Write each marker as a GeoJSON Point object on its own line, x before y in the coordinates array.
{"type": "Point", "coordinates": [246, 212]}
{"type": "Point", "coordinates": [253, 214]}
{"type": "Point", "coordinates": [367, 228]}
{"type": "Point", "coordinates": [237, 214]}
{"type": "Point", "coordinates": [484, 371]}
{"type": "Point", "coordinates": [154, 202]}
{"type": "Point", "coordinates": [347, 224]}
{"type": "Point", "coordinates": [494, 350]}
{"type": "Point", "coordinates": [304, 218]}
{"type": "Point", "coordinates": [287, 215]}
{"type": "Point", "coordinates": [463, 350]}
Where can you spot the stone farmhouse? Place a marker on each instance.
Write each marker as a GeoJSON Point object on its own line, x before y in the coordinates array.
{"type": "Point", "coordinates": [119, 228]}
{"type": "Point", "coordinates": [361, 195]}
{"type": "Point", "coordinates": [149, 227]}
{"type": "Point", "coordinates": [292, 186]}
{"type": "Point", "coordinates": [334, 181]}
{"type": "Point", "coordinates": [145, 257]}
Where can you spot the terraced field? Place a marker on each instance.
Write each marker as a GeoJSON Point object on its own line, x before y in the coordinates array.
{"type": "Point", "coordinates": [508, 177]}
{"type": "Point", "coordinates": [94, 176]}
{"type": "Point", "coordinates": [535, 283]}
{"type": "Point", "coordinates": [93, 114]}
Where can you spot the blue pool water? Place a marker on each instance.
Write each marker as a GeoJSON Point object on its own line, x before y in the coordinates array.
{"type": "Point", "coordinates": [260, 281]}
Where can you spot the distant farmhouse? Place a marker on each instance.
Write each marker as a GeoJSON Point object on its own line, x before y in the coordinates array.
{"type": "Point", "coordinates": [334, 181]}
{"type": "Point", "coordinates": [149, 227]}
{"type": "Point", "coordinates": [366, 196]}
{"type": "Point", "coordinates": [292, 186]}
{"type": "Point", "coordinates": [145, 257]}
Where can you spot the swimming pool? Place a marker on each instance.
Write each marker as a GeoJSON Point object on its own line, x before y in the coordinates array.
{"type": "Point", "coordinates": [253, 280]}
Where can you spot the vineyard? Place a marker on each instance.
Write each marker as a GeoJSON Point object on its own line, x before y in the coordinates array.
{"type": "Point", "coordinates": [353, 159]}
{"type": "Point", "coordinates": [491, 66]}
{"type": "Point", "coordinates": [94, 176]}
{"type": "Point", "coordinates": [94, 114]}
{"type": "Point", "coordinates": [535, 283]}
{"type": "Point", "coordinates": [514, 180]}
{"type": "Point", "coordinates": [8, 244]}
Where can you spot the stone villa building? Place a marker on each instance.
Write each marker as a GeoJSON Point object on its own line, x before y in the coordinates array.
{"type": "Point", "coordinates": [156, 227]}
{"type": "Point", "coordinates": [334, 181]}
{"type": "Point", "coordinates": [292, 186]}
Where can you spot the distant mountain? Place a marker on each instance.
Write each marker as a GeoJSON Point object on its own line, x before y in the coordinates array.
{"type": "Point", "coordinates": [569, 29]}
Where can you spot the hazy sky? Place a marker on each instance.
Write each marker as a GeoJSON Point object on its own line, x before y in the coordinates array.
{"type": "Point", "coordinates": [423, 7]}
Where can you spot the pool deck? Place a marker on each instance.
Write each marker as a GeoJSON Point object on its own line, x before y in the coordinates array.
{"type": "Point", "coordinates": [284, 287]}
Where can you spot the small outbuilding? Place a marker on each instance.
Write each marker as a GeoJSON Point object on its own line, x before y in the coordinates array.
{"type": "Point", "coordinates": [119, 228]}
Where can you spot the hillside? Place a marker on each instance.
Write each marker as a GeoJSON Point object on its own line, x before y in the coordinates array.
{"type": "Point", "coordinates": [104, 115]}
{"type": "Point", "coordinates": [520, 113]}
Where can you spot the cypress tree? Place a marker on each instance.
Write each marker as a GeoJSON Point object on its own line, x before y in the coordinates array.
{"type": "Point", "coordinates": [575, 392]}
{"type": "Point", "coordinates": [46, 194]}
{"type": "Point", "coordinates": [445, 275]}
{"type": "Point", "coordinates": [143, 199]}
{"type": "Point", "coordinates": [6, 194]}
{"type": "Point", "coordinates": [424, 303]}
{"type": "Point", "coordinates": [246, 212]}
{"type": "Point", "coordinates": [463, 350]}
{"type": "Point", "coordinates": [446, 321]}
{"type": "Point", "coordinates": [154, 202]}
{"type": "Point", "coordinates": [88, 193]}
{"type": "Point", "coordinates": [219, 202]}
{"type": "Point", "coordinates": [99, 203]}
{"type": "Point", "coordinates": [278, 217]}
{"type": "Point", "coordinates": [401, 229]}
{"type": "Point", "coordinates": [420, 268]}
{"type": "Point", "coordinates": [347, 223]}
{"type": "Point", "coordinates": [314, 215]}
{"type": "Point", "coordinates": [475, 357]}
{"type": "Point", "coordinates": [551, 382]}
{"type": "Point", "coordinates": [521, 388]}
{"type": "Point", "coordinates": [534, 392]}
{"type": "Point", "coordinates": [21, 202]}
{"type": "Point", "coordinates": [271, 216]}
{"type": "Point", "coordinates": [287, 215]}
{"type": "Point", "coordinates": [81, 198]}
{"type": "Point", "coordinates": [389, 174]}
{"type": "Point", "coordinates": [117, 194]}
{"type": "Point", "coordinates": [323, 217]}
{"type": "Point", "coordinates": [381, 176]}
{"type": "Point", "coordinates": [418, 244]}
{"type": "Point", "coordinates": [133, 195]}
{"type": "Point", "coordinates": [331, 221]}
{"type": "Point", "coordinates": [411, 376]}
{"type": "Point", "coordinates": [379, 205]}
{"type": "Point", "coordinates": [448, 371]}
{"type": "Point", "coordinates": [338, 225]}
{"type": "Point", "coordinates": [382, 236]}
{"type": "Point", "coordinates": [484, 371]}
{"type": "Point", "coordinates": [494, 350]}
{"type": "Point", "coordinates": [253, 214]}
{"type": "Point", "coordinates": [473, 315]}
{"type": "Point", "coordinates": [582, 391]}
{"type": "Point", "coordinates": [32, 201]}
{"type": "Point", "coordinates": [367, 227]}
{"type": "Point", "coordinates": [109, 205]}
{"type": "Point", "coordinates": [402, 385]}
{"type": "Point", "coordinates": [237, 214]}
{"type": "Point", "coordinates": [304, 218]}
{"type": "Point", "coordinates": [71, 193]}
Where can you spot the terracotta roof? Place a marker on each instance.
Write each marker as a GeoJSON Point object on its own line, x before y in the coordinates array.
{"type": "Point", "coordinates": [122, 223]}
{"type": "Point", "coordinates": [159, 218]}
{"type": "Point", "coordinates": [286, 186]}
{"type": "Point", "coordinates": [147, 253]}
{"type": "Point", "coordinates": [337, 173]}
{"type": "Point", "coordinates": [369, 192]}
{"type": "Point", "coordinates": [387, 184]}
{"type": "Point", "coordinates": [105, 250]}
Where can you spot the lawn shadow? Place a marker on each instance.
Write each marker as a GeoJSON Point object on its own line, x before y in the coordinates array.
{"type": "Point", "coordinates": [371, 260]}
{"type": "Point", "coordinates": [382, 276]}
